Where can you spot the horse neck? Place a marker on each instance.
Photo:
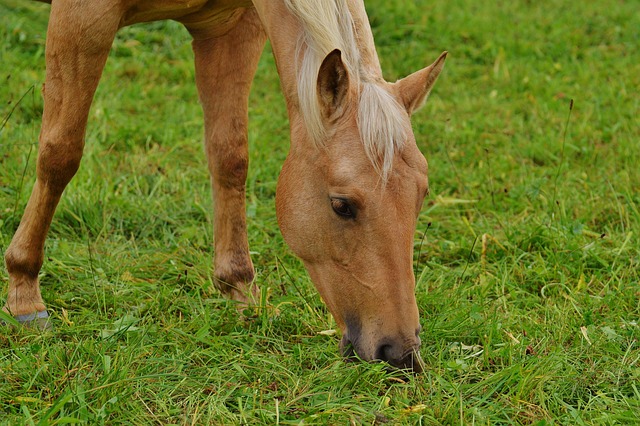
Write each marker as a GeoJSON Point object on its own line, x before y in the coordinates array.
{"type": "Point", "coordinates": [284, 30]}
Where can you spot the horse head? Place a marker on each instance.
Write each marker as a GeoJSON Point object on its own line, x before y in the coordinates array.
{"type": "Point", "coordinates": [348, 207]}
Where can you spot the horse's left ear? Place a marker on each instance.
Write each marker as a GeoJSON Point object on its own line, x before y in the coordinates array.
{"type": "Point", "coordinates": [333, 84]}
{"type": "Point", "coordinates": [414, 89]}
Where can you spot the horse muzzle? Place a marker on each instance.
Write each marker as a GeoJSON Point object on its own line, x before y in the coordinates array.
{"type": "Point", "coordinates": [398, 353]}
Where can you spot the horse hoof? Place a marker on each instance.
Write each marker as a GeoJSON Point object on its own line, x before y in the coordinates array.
{"type": "Point", "coordinates": [38, 320]}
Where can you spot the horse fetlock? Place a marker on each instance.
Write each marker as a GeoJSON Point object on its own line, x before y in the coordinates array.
{"type": "Point", "coordinates": [237, 279]}
{"type": "Point", "coordinates": [22, 262]}
{"type": "Point", "coordinates": [237, 284]}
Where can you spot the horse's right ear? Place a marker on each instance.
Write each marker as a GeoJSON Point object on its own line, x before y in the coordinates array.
{"type": "Point", "coordinates": [333, 84]}
{"type": "Point", "coordinates": [415, 88]}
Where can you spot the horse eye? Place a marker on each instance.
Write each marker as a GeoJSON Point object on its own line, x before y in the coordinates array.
{"type": "Point", "coordinates": [342, 208]}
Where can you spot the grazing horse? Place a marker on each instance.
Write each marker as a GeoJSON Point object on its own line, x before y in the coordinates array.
{"type": "Point", "coordinates": [349, 192]}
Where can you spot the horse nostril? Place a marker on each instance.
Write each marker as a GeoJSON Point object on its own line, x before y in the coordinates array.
{"type": "Point", "coordinates": [384, 353]}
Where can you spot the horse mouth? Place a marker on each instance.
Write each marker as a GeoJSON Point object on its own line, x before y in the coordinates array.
{"type": "Point", "coordinates": [410, 362]}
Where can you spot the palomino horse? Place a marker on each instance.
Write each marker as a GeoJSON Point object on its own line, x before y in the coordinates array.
{"type": "Point", "coordinates": [349, 191]}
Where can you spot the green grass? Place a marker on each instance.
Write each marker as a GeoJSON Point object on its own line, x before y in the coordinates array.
{"type": "Point", "coordinates": [528, 281]}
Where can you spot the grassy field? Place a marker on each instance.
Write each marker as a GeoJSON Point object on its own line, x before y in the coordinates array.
{"type": "Point", "coordinates": [527, 252]}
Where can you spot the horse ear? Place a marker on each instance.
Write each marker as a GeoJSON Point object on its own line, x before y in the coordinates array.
{"type": "Point", "coordinates": [414, 89]}
{"type": "Point", "coordinates": [333, 83]}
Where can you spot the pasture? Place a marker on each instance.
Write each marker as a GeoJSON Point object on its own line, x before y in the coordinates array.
{"type": "Point", "coordinates": [527, 253]}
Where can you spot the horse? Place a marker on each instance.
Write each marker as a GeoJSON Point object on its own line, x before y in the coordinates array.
{"type": "Point", "coordinates": [351, 187]}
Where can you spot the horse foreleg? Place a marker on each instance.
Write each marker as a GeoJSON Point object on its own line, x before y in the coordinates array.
{"type": "Point", "coordinates": [78, 42]}
{"type": "Point", "coordinates": [225, 66]}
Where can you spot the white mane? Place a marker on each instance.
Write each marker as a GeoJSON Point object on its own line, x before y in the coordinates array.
{"type": "Point", "coordinates": [328, 25]}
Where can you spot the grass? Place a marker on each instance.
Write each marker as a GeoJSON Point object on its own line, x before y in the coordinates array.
{"type": "Point", "coordinates": [528, 281]}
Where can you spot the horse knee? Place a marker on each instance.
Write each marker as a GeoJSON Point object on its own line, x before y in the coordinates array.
{"type": "Point", "coordinates": [231, 171]}
{"type": "Point", "coordinates": [227, 149]}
